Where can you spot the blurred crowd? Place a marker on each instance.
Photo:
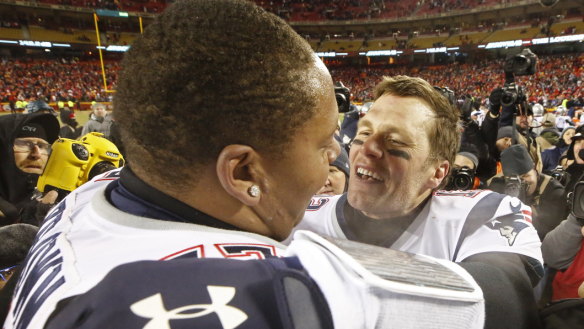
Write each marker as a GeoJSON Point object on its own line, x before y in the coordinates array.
{"type": "Point", "coordinates": [54, 80]}
{"type": "Point", "coordinates": [228, 156]}
{"type": "Point", "coordinates": [302, 10]}
{"type": "Point", "coordinates": [557, 77]}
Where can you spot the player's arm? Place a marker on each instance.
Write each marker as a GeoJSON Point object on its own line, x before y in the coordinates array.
{"type": "Point", "coordinates": [560, 246]}
{"type": "Point", "coordinates": [506, 280]}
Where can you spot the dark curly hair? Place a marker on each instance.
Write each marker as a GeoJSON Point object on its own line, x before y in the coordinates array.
{"type": "Point", "coordinates": [210, 73]}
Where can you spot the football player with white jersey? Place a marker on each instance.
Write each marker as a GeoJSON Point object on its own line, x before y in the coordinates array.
{"type": "Point", "coordinates": [208, 98]}
{"type": "Point", "coordinates": [399, 159]}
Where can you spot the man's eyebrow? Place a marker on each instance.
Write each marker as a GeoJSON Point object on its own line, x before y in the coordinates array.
{"type": "Point", "coordinates": [363, 122]}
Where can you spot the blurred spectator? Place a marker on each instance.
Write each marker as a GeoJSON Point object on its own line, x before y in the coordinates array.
{"type": "Point", "coordinates": [549, 134]}
{"type": "Point", "coordinates": [338, 176]}
{"type": "Point", "coordinates": [99, 121]}
{"type": "Point", "coordinates": [538, 113]}
{"type": "Point", "coordinates": [24, 147]}
{"type": "Point", "coordinates": [349, 124]}
{"type": "Point", "coordinates": [563, 119]}
{"type": "Point", "coordinates": [551, 157]}
{"type": "Point", "coordinates": [69, 124]}
{"type": "Point", "coordinates": [39, 106]}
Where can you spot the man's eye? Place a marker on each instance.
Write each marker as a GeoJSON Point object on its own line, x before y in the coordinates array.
{"type": "Point", "coordinates": [363, 133]}
{"type": "Point", "coordinates": [395, 142]}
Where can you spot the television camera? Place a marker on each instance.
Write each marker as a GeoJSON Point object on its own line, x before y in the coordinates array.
{"type": "Point", "coordinates": [520, 64]}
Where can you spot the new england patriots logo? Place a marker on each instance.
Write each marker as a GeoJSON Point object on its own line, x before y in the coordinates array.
{"type": "Point", "coordinates": [509, 226]}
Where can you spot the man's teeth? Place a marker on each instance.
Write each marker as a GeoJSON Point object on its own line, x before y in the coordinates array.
{"type": "Point", "coordinates": [364, 172]}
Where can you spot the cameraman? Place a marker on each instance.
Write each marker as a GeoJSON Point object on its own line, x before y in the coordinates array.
{"type": "Point", "coordinates": [541, 192]}
{"type": "Point", "coordinates": [338, 177]}
{"type": "Point", "coordinates": [508, 106]}
{"type": "Point", "coordinates": [24, 147]}
{"type": "Point", "coordinates": [463, 176]}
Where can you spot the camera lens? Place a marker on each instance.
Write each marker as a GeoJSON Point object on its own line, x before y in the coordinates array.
{"type": "Point", "coordinates": [508, 98]}
{"type": "Point", "coordinates": [100, 168]}
{"type": "Point", "coordinates": [462, 182]}
{"type": "Point", "coordinates": [80, 151]}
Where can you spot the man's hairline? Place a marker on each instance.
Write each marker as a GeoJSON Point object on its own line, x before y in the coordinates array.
{"type": "Point", "coordinates": [428, 124]}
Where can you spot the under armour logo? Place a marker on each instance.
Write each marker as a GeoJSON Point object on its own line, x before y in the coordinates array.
{"type": "Point", "coordinates": [153, 308]}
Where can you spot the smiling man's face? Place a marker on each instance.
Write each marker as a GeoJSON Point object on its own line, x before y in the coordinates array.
{"type": "Point", "coordinates": [390, 168]}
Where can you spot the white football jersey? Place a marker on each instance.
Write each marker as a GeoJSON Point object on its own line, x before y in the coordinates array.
{"type": "Point", "coordinates": [503, 225]}
{"type": "Point", "coordinates": [84, 237]}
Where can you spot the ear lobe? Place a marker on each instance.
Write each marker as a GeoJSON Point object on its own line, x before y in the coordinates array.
{"type": "Point", "coordinates": [236, 173]}
{"type": "Point", "coordinates": [439, 174]}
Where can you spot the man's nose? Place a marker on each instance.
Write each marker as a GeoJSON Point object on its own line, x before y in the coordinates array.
{"type": "Point", "coordinates": [328, 181]}
{"type": "Point", "coordinates": [372, 148]}
{"type": "Point", "coordinates": [35, 151]}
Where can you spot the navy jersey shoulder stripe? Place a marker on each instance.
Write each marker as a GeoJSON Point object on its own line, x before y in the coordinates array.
{"type": "Point", "coordinates": [479, 215]}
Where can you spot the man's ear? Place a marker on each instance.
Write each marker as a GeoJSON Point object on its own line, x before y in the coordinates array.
{"type": "Point", "coordinates": [440, 172]}
{"type": "Point", "coordinates": [237, 170]}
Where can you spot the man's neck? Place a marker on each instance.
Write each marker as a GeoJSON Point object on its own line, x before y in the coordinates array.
{"type": "Point", "coordinates": [379, 231]}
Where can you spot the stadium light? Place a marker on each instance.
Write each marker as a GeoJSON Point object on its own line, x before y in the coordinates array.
{"type": "Point", "coordinates": [326, 54]}
{"type": "Point", "coordinates": [30, 43]}
{"type": "Point", "coordinates": [504, 44]}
